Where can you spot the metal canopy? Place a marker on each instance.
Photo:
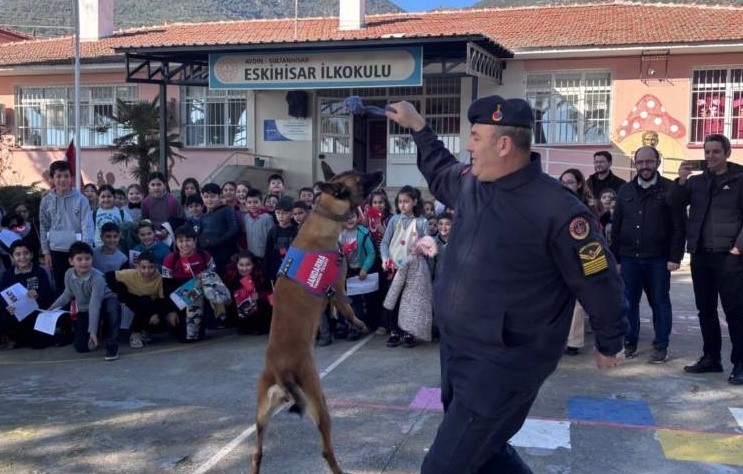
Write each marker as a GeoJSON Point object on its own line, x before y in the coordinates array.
{"type": "Point", "coordinates": [189, 65]}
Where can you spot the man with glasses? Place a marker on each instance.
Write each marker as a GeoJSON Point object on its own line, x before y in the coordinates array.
{"type": "Point", "coordinates": [648, 243]}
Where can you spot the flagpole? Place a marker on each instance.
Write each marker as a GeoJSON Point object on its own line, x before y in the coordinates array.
{"type": "Point", "coordinates": [78, 169]}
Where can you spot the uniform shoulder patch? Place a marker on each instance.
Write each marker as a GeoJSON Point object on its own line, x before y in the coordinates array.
{"type": "Point", "coordinates": [579, 228]}
{"type": "Point", "coordinates": [593, 258]}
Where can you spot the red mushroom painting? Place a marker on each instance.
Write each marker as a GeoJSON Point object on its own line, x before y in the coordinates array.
{"type": "Point", "coordinates": [649, 115]}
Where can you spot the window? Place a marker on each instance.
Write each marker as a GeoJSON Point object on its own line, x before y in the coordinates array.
{"type": "Point", "coordinates": [570, 107]}
{"type": "Point", "coordinates": [215, 118]}
{"type": "Point", "coordinates": [717, 104]}
{"type": "Point", "coordinates": [46, 115]}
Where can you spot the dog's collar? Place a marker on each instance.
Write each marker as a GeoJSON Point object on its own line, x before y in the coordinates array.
{"type": "Point", "coordinates": [316, 271]}
{"type": "Point", "coordinates": [331, 215]}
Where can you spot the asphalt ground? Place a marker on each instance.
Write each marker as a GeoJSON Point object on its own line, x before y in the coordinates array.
{"type": "Point", "coordinates": [190, 409]}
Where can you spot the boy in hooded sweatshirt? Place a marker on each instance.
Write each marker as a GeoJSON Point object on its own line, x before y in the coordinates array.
{"type": "Point", "coordinates": [219, 228]}
{"type": "Point", "coordinates": [64, 218]}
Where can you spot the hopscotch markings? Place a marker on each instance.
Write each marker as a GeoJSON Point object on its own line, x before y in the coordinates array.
{"type": "Point", "coordinates": [701, 447]}
{"type": "Point", "coordinates": [545, 434]}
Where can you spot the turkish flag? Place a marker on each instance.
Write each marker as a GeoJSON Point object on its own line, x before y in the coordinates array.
{"type": "Point", "coordinates": [70, 157]}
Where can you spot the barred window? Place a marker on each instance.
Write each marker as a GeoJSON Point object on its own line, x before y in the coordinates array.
{"type": "Point", "coordinates": [216, 118]}
{"type": "Point", "coordinates": [717, 103]}
{"type": "Point", "coordinates": [45, 116]}
{"type": "Point", "coordinates": [570, 107]}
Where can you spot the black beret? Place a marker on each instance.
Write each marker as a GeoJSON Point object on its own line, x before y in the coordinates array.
{"type": "Point", "coordinates": [495, 110]}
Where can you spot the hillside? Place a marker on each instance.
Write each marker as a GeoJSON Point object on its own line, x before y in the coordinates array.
{"type": "Point", "coordinates": [36, 16]}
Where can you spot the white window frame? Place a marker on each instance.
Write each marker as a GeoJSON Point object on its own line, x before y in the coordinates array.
{"type": "Point", "coordinates": [45, 114]}
{"type": "Point", "coordinates": [583, 90]}
{"type": "Point", "coordinates": [220, 133]}
{"type": "Point", "coordinates": [726, 94]}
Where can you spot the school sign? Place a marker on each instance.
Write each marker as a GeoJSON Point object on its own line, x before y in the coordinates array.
{"type": "Point", "coordinates": [317, 70]}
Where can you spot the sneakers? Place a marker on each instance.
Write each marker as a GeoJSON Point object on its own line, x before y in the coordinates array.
{"type": "Point", "coordinates": [658, 355]}
{"type": "Point", "coordinates": [381, 331]}
{"type": "Point", "coordinates": [136, 341]}
{"type": "Point", "coordinates": [394, 340]}
{"type": "Point", "coordinates": [409, 341]}
{"type": "Point", "coordinates": [736, 376]}
{"type": "Point", "coordinates": [704, 365]}
{"type": "Point", "coordinates": [112, 353]}
{"type": "Point", "coordinates": [630, 351]}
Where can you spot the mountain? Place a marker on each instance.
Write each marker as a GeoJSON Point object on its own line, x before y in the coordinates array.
{"type": "Point", "coordinates": [55, 17]}
{"type": "Point", "coordinates": [530, 3]}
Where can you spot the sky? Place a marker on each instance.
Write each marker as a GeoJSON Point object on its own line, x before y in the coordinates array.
{"type": "Point", "coordinates": [421, 5]}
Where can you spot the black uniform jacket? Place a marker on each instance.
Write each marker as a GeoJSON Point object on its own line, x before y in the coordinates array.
{"type": "Point", "coordinates": [521, 249]}
{"type": "Point", "coordinates": [644, 225]}
{"type": "Point", "coordinates": [723, 204]}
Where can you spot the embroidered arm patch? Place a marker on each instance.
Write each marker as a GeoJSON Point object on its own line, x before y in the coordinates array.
{"type": "Point", "coordinates": [592, 258]}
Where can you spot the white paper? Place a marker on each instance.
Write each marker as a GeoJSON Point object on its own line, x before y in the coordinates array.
{"type": "Point", "coordinates": [354, 286]}
{"type": "Point", "coordinates": [7, 237]}
{"type": "Point", "coordinates": [17, 297]}
{"type": "Point", "coordinates": [133, 256]}
{"type": "Point", "coordinates": [47, 321]}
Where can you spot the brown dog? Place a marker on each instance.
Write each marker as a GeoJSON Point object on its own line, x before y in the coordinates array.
{"type": "Point", "coordinates": [290, 375]}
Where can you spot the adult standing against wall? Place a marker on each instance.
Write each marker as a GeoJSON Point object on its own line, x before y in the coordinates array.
{"type": "Point", "coordinates": [648, 243]}
{"type": "Point", "coordinates": [603, 177]}
{"type": "Point", "coordinates": [714, 238]}
{"type": "Point", "coordinates": [526, 245]}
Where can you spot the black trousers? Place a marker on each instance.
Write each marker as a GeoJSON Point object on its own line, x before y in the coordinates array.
{"type": "Point", "coordinates": [60, 264]}
{"type": "Point", "coordinates": [470, 442]}
{"type": "Point", "coordinates": [713, 274]}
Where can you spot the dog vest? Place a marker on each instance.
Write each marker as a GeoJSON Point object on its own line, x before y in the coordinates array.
{"type": "Point", "coordinates": [317, 272]}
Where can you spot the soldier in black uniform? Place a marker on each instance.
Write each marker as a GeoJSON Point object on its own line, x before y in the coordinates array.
{"type": "Point", "coordinates": [522, 248]}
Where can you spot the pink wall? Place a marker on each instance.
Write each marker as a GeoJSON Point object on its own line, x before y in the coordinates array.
{"type": "Point", "coordinates": [668, 100]}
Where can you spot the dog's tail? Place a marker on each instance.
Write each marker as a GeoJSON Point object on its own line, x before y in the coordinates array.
{"type": "Point", "coordinates": [297, 397]}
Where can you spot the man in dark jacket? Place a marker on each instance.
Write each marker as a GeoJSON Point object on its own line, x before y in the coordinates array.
{"type": "Point", "coordinates": [603, 177]}
{"type": "Point", "coordinates": [648, 242]}
{"type": "Point", "coordinates": [714, 238]}
{"type": "Point", "coordinates": [527, 246]}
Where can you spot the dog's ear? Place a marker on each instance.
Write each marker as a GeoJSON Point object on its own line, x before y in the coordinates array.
{"type": "Point", "coordinates": [327, 172]}
{"type": "Point", "coordinates": [337, 190]}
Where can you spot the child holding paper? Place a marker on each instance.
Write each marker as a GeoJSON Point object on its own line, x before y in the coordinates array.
{"type": "Point", "coordinates": [179, 267]}
{"type": "Point", "coordinates": [34, 279]}
{"type": "Point", "coordinates": [88, 287]}
{"type": "Point", "coordinates": [356, 243]}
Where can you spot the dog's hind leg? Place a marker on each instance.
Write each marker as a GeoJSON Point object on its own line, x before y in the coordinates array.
{"type": "Point", "coordinates": [269, 397]}
{"type": "Point", "coordinates": [318, 412]}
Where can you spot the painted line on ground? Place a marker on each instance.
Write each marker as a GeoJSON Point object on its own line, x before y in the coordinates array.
{"type": "Point", "coordinates": [216, 457]}
{"type": "Point", "coordinates": [738, 415]}
{"type": "Point", "coordinates": [359, 405]}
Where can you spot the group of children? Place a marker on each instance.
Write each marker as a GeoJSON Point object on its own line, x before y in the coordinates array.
{"type": "Point", "coordinates": [210, 258]}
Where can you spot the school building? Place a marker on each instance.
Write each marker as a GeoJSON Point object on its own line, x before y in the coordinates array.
{"type": "Point", "coordinates": [251, 97]}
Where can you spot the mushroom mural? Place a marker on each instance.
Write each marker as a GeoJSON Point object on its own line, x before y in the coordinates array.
{"type": "Point", "coordinates": [649, 123]}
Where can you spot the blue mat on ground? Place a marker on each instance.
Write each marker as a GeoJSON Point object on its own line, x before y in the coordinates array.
{"type": "Point", "coordinates": [625, 412]}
